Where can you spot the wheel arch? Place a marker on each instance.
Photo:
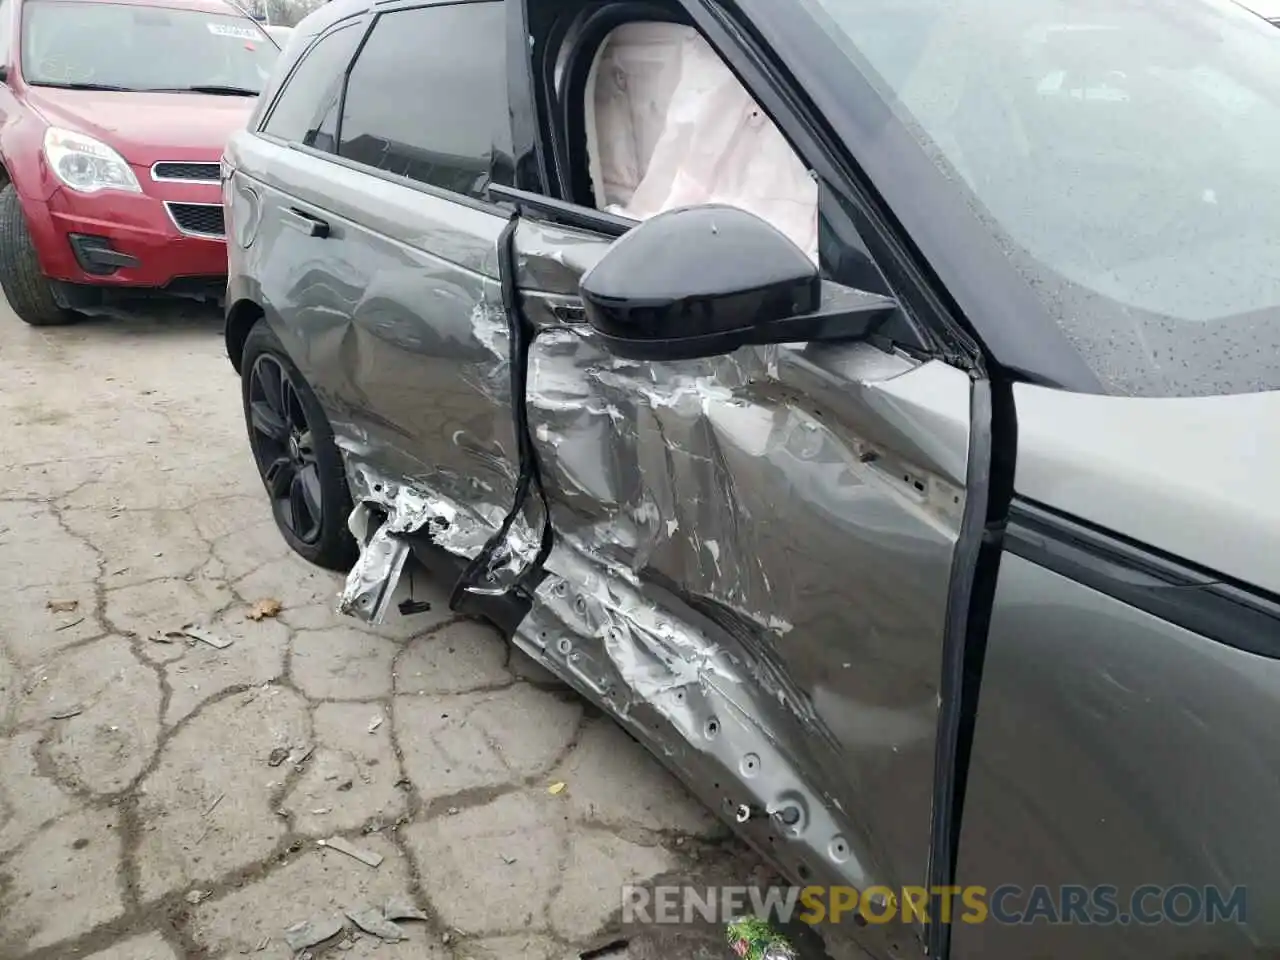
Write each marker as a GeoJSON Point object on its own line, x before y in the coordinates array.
{"type": "Point", "coordinates": [242, 316]}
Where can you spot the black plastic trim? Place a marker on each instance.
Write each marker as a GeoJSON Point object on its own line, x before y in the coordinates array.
{"type": "Point", "coordinates": [96, 256]}
{"type": "Point", "coordinates": [1179, 592]}
{"type": "Point", "coordinates": [537, 206]}
{"type": "Point", "coordinates": [975, 572]}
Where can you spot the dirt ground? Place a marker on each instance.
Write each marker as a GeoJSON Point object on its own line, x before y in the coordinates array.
{"type": "Point", "coordinates": [161, 797]}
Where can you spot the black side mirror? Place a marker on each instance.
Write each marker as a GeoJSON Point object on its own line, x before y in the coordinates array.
{"type": "Point", "coordinates": [704, 281]}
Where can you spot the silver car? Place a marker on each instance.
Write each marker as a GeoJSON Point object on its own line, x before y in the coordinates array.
{"type": "Point", "coordinates": [872, 404]}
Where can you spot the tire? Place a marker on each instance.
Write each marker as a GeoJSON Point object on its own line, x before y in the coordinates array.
{"type": "Point", "coordinates": [317, 464]}
{"type": "Point", "coordinates": [25, 287]}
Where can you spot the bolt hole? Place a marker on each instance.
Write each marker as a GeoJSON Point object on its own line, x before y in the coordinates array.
{"type": "Point", "coordinates": [564, 646]}
{"type": "Point", "coordinates": [713, 727]}
{"type": "Point", "coordinates": [803, 872]}
{"type": "Point", "coordinates": [680, 696]}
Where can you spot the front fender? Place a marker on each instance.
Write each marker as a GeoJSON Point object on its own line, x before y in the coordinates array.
{"type": "Point", "coordinates": [22, 152]}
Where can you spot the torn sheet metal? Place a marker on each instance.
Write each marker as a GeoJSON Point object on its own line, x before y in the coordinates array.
{"type": "Point", "coordinates": [750, 569]}
{"type": "Point", "coordinates": [386, 510]}
{"type": "Point", "coordinates": [704, 708]}
{"type": "Point", "coordinates": [372, 581]}
{"type": "Point", "coordinates": [746, 577]}
{"type": "Point", "coordinates": [502, 566]}
{"type": "Point", "coordinates": [752, 561]}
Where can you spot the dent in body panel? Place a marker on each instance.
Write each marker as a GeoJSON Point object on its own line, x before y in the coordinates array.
{"type": "Point", "coordinates": [817, 558]}
{"type": "Point", "coordinates": [1113, 748]}
{"type": "Point", "coordinates": [397, 322]}
{"type": "Point", "coordinates": [750, 570]}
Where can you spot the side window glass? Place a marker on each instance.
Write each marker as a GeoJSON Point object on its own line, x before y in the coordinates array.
{"type": "Point", "coordinates": [6, 35]}
{"type": "Point", "coordinates": [427, 98]}
{"type": "Point", "coordinates": [307, 111]}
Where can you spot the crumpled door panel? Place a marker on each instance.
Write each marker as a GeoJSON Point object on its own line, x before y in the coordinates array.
{"type": "Point", "coordinates": [740, 568]}
{"type": "Point", "coordinates": [751, 562]}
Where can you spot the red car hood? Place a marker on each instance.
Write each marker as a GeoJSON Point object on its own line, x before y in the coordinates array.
{"type": "Point", "coordinates": [147, 127]}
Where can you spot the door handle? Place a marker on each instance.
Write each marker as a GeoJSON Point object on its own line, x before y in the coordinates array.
{"type": "Point", "coordinates": [308, 223]}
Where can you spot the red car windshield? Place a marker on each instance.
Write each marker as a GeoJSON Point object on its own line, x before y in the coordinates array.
{"type": "Point", "coordinates": [133, 47]}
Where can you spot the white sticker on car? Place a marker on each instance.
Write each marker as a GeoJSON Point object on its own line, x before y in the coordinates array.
{"type": "Point", "coordinates": [233, 30]}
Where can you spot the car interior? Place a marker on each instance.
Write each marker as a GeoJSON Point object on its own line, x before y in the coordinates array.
{"type": "Point", "coordinates": [656, 120]}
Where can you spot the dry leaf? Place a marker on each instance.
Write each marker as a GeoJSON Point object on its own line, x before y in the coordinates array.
{"type": "Point", "coordinates": [556, 788]}
{"type": "Point", "coordinates": [262, 609]}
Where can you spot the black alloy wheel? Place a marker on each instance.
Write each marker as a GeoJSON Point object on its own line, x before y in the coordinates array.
{"type": "Point", "coordinates": [296, 453]}
{"type": "Point", "coordinates": [284, 449]}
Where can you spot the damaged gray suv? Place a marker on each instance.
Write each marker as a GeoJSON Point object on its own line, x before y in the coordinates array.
{"type": "Point", "coordinates": [872, 404]}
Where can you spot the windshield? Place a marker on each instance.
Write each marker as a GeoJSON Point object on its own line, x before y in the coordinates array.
{"type": "Point", "coordinates": [1122, 152]}
{"type": "Point", "coordinates": [121, 46]}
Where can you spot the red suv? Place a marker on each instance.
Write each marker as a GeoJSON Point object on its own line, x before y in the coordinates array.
{"type": "Point", "coordinates": [113, 116]}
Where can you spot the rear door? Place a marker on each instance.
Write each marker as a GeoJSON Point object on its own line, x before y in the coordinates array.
{"type": "Point", "coordinates": [390, 268]}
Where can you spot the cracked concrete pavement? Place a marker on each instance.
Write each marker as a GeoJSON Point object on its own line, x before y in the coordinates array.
{"type": "Point", "coordinates": [162, 798]}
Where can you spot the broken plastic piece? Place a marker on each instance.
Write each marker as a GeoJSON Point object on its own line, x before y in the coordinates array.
{"type": "Point", "coordinates": [608, 950]}
{"type": "Point", "coordinates": [371, 920]}
{"type": "Point", "coordinates": [314, 931]}
{"type": "Point", "coordinates": [399, 908]}
{"type": "Point", "coordinates": [366, 857]}
{"type": "Point", "coordinates": [204, 636]}
{"type": "Point", "coordinates": [301, 755]}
